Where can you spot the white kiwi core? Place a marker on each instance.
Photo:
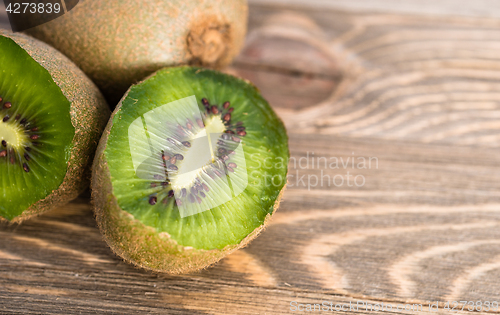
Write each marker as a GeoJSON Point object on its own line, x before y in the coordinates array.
{"type": "Point", "coordinates": [200, 154]}
{"type": "Point", "coordinates": [14, 135]}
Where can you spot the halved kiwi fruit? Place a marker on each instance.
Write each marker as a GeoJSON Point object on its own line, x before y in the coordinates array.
{"type": "Point", "coordinates": [191, 167]}
{"type": "Point", "coordinates": [51, 117]}
{"type": "Point", "coordinates": [119, 42]}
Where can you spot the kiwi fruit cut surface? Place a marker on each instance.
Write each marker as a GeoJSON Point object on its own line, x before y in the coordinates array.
{"type": "Point", "coordinates": [191, 166]}
{"type": "Point", "coordinates": [51, 117]}
{"type": "Point", "coordinates": [119, 42]}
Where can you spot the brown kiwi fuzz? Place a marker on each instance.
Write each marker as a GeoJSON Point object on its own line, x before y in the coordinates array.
{"type": "Point", "coordinates": [119, 42]}
{"type": "Point", "coordinates": [87, 113]}
{"type": "Point", "coordinates": [180, 178]}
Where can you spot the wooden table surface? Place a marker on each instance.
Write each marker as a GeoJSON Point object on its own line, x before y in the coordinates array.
{"type": "Point", "coordinates": [416, 95]}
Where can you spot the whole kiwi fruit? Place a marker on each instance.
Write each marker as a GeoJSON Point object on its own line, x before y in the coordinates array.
{"type": "Point", "coordinates": [191, 167]}
{"type": "Point", "coordinates": [119, 42]}
{"type": "Point", "coordinates": [51, 118]}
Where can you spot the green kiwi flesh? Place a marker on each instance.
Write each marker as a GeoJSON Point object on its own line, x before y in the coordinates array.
{"type": "Point", "coordinates": [179, 179]}
{"type": "Point", "coordinates": [119, 42]}
{"type": "Point", "coordinates": [43, 150]}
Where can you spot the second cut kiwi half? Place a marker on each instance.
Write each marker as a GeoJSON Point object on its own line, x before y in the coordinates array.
{"type": "Point", "coordinates": [51, 117]}
{"type": "Point", "coordinates": [191, 167]}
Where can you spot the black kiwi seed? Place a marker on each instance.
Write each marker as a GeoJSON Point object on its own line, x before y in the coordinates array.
{"type": "Point", "coordinates": [6, 118]}
{"type": "Point", "coordinates": [229, 131]}
{"type": "Point", "coordinates": [173, 160]}
{"type": "Point", "coordinates": [205, 102]}
{"type": "Point", "coordinates": [152, 200]}
{"type": "Point", "coordinates": [214, 110]}
{"type": "Point", "coordinates": [173, 168]}
{"type": "Point", "coordinates": [3, 153]}
{"type": "Point", "coordinates": [184, 192]}
{"type": "Point", "coordinates": [171, 141]}
{"type": "Point", "coordinates": [227, 117]}
{"type": "Point", "coordinates": [242, 133]}
{"type": "Point", "coordinates": [186, 144]}
{"type": "Point", "coordinates": [231, 110]}
{"type": "Point", "coordinates": [34, 129]}
{"type": "Point", "coordinates": [231, 164]}
{"type": "Point", "coordinates": [226, 105]}
{"type": "Point", "coordinates": [171, 193]}
{"type": "Point", "coordinates": [153, 185]}
{"type": "Point", "coordinates": [4, 143]}
{"type": "Point", "coordinates": [7, 104]}
{"type": "Point", "coordinates": [191, 198]}
{"type": "Point", "coordinates": [17, 117]}
{"type": "Point", "coordinates": [200, 123]}
{"type": "Point", "coordinates": [27, 149]}
{"type": "Point", "coordinates": [222, 150]}
{"type": "Point", "coordinates": [205, 187]}
{"type": "Point", "coordinates": [198, 199]}
{"type": "Point", "coordinates": [193, 190]}
{"type": "Point", "coordinates": [179, 157]}
{"type": "Point", "coordinates": [236, 139]}
{"type": "Point", "coordinates": [26, 168]}
{"type": "Point", "coordinates": [23, 121]}
{"type": "Point", "coordinates": [34, 137]}
{"type": "Point", "coordinates": [27, 157]}
{"type": "Point", "coordinates": [202, 194]}
{"type": "Point", "coordinates": [181, 130]}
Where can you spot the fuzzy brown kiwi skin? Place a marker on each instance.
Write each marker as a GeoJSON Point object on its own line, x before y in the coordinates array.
{"type": "Point", "coordinates": [119, 42]}
{"type": "Point", "coordinates": [89, 115]}
{"type": "Point", "coordinates": [139, 244]}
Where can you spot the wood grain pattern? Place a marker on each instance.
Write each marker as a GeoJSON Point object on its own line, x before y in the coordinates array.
{"type": "Point", "coordinates": [418, 95]}
{"type": "Point", "coordinates": [481, 8]}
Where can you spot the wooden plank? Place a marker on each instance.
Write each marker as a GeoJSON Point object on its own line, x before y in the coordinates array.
{"type": "Point", "coordinates": [415, 95]}
{"type": "Point", "coordinates": [353, 241]}
{"type": "Point", "coordinates": [481, 8]}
